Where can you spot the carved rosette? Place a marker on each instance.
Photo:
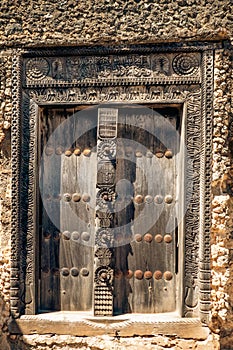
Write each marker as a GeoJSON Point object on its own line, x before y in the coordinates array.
{"type": "Point", "coordinates": [107, 150]}
{"type": "Point", "coordinates": [185, 64]}
{"type": "Point", "coordinates": [104, 237]}
{"type": "Point", "coordinates": [105, 198]}
{"type": "Point", "coordinates": [37, 68]}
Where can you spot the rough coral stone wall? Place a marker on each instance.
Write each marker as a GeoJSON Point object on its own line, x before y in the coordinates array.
{"type": "Point", "coordinates": [222, 204]}
{"type": "Point", "coordinates": [63, 342]}
{"type": "Point", "coordinates": [24, 22]}
{"type": "Point", "coordinates": [4, 296]}
{"type": "Point", "coordinates": [5, 192]}
{"type": "Point", "coordinates": [5, 164]}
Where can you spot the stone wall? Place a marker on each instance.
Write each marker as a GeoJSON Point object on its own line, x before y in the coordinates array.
{"type": "Point", "coordinates": [5, 192]}
{"type": "Point", "coordinates": [112, 21]}
{"type": "Point", "coordinates": [222, 204]}
{"type": "Point", "coordinates": [69, 22]}
{"type": "Point", "coordinates": [4, 297]}
{"type": "Point", "coordinates": [5, 150]}
{"type": "Point", "coordinates": [157, 342]}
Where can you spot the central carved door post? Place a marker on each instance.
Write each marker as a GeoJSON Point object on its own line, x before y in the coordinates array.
{"type": "Point", "coordinates": [105, 197]}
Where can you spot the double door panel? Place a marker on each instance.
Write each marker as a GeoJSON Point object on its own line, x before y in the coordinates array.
{"type": "Point", "coordinates": [145, 253]}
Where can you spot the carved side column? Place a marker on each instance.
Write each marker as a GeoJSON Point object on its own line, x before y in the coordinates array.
{"type": "Point", "coordinates": [105, 197]}
{"type": "Point", "coordinates": [16, 137]}
{"type": "Point", "coordinates": [205, 187]}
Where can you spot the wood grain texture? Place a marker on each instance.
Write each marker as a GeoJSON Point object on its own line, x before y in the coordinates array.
{"type": "Point", "coordinates": [142, 171]}
{"type": "Point", "coordinates": [150, 176]}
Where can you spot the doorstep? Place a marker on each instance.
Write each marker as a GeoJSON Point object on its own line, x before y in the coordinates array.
{"type": "Point", "coordinates": [127, 325]}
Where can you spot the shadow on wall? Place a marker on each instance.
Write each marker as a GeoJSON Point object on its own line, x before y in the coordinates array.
{"type": "Point", "coordinates": [8, 341]}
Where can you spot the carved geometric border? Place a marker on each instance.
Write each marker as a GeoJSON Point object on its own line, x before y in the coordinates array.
{"type": "Point", "coordinates": [15, 214]}
{"type": "Point", "coordinates": [198, 101]}
{"type": "Point", "coordinates": [205, 182]}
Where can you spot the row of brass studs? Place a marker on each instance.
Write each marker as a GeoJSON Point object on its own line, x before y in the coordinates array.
{"type": "Point", "coordinates": [87, 152]}
{"type": "Point", "coordinates": [68, 152]}
{"type": "Point", "coordinates": [76, 197]}
{"type": "Point", "coordinates": [85, 236]}
{"type": "Point", "coordinates": [128, 151]}
{"type": "Point", "coordinates": [139, 199]}
{"type": "Point", "coordinates": [159, 154]}
{"type": "Point", "coordinates": [138, 274]}
{"type": "Point", "coordinates": [148, 237]}
{"type": "Point", "coordinates": [74, 271]}
{"type": "Point", "coordinates": [65, 271]}
{"type": "Point", "coordinates": [67, 235]}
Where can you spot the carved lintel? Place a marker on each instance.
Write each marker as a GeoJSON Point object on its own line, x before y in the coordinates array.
{"type": "Point", "coordinates": [111, 69]}
{"type": "Point", "coordinates": [99, 94]}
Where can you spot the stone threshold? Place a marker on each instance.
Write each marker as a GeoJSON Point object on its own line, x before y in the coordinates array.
{"type": "Point", "coordinates": [127, 325]}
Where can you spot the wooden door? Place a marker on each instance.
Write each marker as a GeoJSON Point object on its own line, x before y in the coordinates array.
{"type": "Point", "coordinates": [146, 268]}
{"type": "Point", "coordinates": [67, 181]}
{"type": "Point", "coordinates": [144, 251]}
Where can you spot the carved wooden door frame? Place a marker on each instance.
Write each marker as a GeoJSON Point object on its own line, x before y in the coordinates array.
{"type": "Point", "coordinates": [172, 74]}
